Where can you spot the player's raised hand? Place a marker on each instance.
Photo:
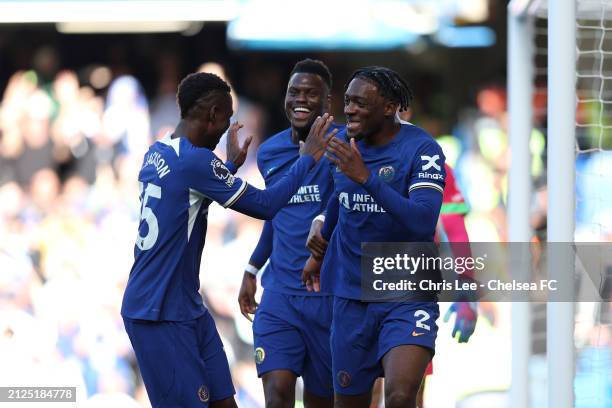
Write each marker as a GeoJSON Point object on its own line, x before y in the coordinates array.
{"type": "Point", "coordinates": [316, 244]}
{"type": "Point", "coordinates": [311, 274]}
{"type": "Point", "coordinates": [465, 320]}
{"type": "Point", "coordinates": [316, 141]}
{"type": "Point", "coordinates": [348, 159]}
{"type": "Point", "coordinates": [246, 295]}
{"type": "Point", "coordinates": [236, 153]}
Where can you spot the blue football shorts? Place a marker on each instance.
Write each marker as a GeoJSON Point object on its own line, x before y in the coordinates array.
{"type": "Point", "coordinates": [291, 332]}
{"type": "Point", "coordinates": [362, 333]}
{"type": "Point", "coordinates": [183, 364]}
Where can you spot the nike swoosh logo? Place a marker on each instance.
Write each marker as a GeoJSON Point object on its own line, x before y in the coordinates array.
{"type": "Point", "coordinates": [415, 334]}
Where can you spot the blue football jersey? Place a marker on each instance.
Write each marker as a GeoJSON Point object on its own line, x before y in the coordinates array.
{"type": "Point", "coordinates": [178, 181]}
{"type": "Point", "coordinates": [410, 161]}
{"type": "Point", "coordinates": [292, 223]}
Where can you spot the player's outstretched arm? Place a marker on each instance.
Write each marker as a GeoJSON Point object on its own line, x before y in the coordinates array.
{"type": "Point", "coordinates": [248, 288]}
{"type": "Point", "coordinates": [208, 177]}
{"type": "Point", "coordinates": [266, 203]}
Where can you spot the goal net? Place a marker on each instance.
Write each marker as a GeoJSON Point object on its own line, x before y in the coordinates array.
{"type": "Point", "coordinates": [593, 193]}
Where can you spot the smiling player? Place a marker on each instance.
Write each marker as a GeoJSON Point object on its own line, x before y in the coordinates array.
{"type": "Point", "coordinates": [399, 171]}
{"type": "Point", "coordinates": [291, 327]}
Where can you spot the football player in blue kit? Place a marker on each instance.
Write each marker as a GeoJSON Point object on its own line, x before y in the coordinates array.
{"type": "Point", "coordinates": [291, 325]}
{"type": "Point", "coordinates": [178, 349]}
{"type": "Point", "coordinates": [388, 188]}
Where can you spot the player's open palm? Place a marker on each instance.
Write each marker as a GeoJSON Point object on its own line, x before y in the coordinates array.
{"type": "Point", "coordinates": [235, 153]}
{"type": "Point", "coordinates": [316, 141]}
{"type": "Point", "coordinates": [348, 159]}
{"type": "Point", "coordinates": [246, 295]}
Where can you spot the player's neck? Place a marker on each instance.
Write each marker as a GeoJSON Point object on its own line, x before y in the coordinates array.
{"type": "Point", "coordinates": [296, 136]}
{"type": "Point", "coordinates": [385, 135]}
{"type": "Point", "coordinates": [191, 131]}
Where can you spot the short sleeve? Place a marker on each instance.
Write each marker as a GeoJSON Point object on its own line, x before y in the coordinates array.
{"type": "Point", "coordinates": [206, 173]}
{"type": "Point", "coordinates": [428, 168]}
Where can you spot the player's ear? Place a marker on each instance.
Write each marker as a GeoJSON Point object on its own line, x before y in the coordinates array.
{"type": "Point", "coordinates": [390, 108]}
{"type": "Point", "coordinates": [213, 111]}
{"type": "Point", "coordinates": [328, 101]}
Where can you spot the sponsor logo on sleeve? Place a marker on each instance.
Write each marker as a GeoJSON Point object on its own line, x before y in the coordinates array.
{"type": "Point", "coordinates": [431, 163]}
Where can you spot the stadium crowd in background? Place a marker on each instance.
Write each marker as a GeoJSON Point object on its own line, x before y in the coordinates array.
{"type": "Point", "coordinates": [69, 159]}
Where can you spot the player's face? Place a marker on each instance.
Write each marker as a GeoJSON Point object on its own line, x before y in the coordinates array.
{"type": "Point", "coordinates": [307, 97]}
{"type": "Point", "coordinates": [364, 108]}
{"type": "Point", "coordinates": [221, 120]}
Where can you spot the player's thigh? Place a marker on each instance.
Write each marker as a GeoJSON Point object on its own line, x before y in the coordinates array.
{"type": "Point", "coordinates": [279, 387]}
{"type": "Point", "coordinates": [354, 336]}
{"type": "Point", "coordinates": [407, 344]}
{"type": "Point", "coordinates": [224, 403]}
{"type": "Point", "coordinates": [404, 367]}
{"type": "Point", "coordinates": [276, 336]}
{"type": "Point", "coordinates": [215, 361]}
{"type": "Point", "coordinates": [169, 361]}
{"type": "Point", "coordinates": [317, 375]}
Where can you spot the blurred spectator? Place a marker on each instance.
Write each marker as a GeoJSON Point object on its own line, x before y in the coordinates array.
{"type": "Point", "coordinates": [126, 117]}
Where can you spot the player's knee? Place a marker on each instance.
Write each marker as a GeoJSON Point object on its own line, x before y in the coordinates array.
{"type": "Point", "coordinates": [314, 401]}
{"type": "Point", "coordinates": [402, 397]}
{"type": "Point", "coordinates": [279, 399]}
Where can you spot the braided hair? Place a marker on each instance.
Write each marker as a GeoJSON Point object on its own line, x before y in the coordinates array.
{"type": "Point", "coordinates": [389, 83]}
{"type": "Point", "coordinates": [198, 88]}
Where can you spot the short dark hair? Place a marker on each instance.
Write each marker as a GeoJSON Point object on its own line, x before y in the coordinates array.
{"type": "Point", "coordinates": [311, 66]}
{"type": "Point", "coordinates": [198, 87]}
{"type": "Point", "coordinates": [391, 86]}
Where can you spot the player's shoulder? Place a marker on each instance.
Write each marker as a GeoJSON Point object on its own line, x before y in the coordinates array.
{"type": "Point", "coordinates": [417, 139]}
{"type": "Point", "coordinates": [274, 142]}
{"type": "Point", "coordinates": [173, 145]}
{"type": "Point", "coordinates": [414, 133]}
{"type": "Point", "coordinates": [272, 147]}
{"type": "Point", "coordinates": [194, 159]}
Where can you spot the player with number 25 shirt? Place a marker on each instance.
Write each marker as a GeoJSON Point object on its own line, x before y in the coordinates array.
{"type": "Point", "coordinates": [175, 340]}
